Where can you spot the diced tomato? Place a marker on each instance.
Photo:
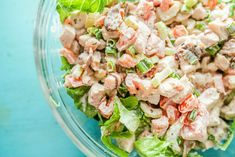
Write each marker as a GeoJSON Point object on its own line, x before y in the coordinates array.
{"type": "Point", "coordinates": [212, 3]}
{"type": "Point", "coordinates": [188, 104]}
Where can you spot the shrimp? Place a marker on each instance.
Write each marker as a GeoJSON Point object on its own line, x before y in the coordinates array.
{"type": "Point", "coordinates": [172, 113]}
{"type": "Point", "coordinates": [96, 94]}
{"type": "Point", "coordinates": [179, 31]}
{"type": "Point", "coordinates": [112, 81]}
{"type": "Point", "coordinates": [229, 81]}
{"type": "Point", "coordinates": [170, 87]}
{"type": "Point", "coordinates": [197, 129]}
{"type": "Point", "coordinates": [72, 82]}
{"type": "Point", "coordinates": [126, 61]}
{"type": "Point", "coordinates": [159, 126]}
{"type": "Point", "coordinates": [144, 9]}
{"type": "Point", "coordinates": [155, 46]}
{"type": "Point", "coordinates": [106, 107]}
{"type": "Point", "coordinates": [68, 36]}
{"type": "Point", "coordinates": [149, 111]}
{"type": "Point", "coordinates": [190, 103]}
{"type": "Point", "coordinates": [69, 55]}
{"type": "Point", "coordinates": [165, 5]}
{"type": "Point", "coordinates": [126, 39]}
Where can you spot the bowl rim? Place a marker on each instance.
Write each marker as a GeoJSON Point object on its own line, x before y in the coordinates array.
{"type": "Point", "coordinates": [84, 142]}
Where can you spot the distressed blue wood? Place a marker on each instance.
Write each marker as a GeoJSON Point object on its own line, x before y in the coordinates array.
{"type": "Point", "coordinates": [27, 127]}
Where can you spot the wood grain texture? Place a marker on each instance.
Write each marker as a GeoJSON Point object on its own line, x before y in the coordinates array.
{"type": "Point", "coordinates": [27, 127]}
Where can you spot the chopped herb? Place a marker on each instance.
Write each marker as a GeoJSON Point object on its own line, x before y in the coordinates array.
{"type": "Point", "coordinates": [95, 32]}
{"type": "Point", "coordinates": [175, 75]}
{"type": "Point", "coordinates": [200, 26]}
{"type": "Point", "coordinates": [131, 51]}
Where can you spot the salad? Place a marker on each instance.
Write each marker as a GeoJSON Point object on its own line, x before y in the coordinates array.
{"type": "Point", "coordinates": [158, 75]}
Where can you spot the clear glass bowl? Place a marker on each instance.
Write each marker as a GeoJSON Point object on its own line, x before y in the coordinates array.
{"type": "Point", "coordinates": [84, 132]}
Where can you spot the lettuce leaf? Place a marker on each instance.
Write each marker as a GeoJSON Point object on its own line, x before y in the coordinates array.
{"type": "Point", "coordinates": [66, 7]}
{"type": "Point", "coordinates": [109, 144]}
{"type": "Point", "coordinates": [78, 94]}
{"type": "Point", "coordinates": [65, 64]}
{"type": "Point", "coordinates": [151, 147]}
{"type": "Point", "coordinates": [129, 118]}
{"type": "Point", "coordinates": [130, 102]}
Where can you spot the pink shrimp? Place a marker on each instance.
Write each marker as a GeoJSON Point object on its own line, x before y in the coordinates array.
{"type": "Point", "coordinates": [179, 31]}
{"type": "Point", "coordinates": [165, 5]}
{"type": "Point", "coordinates": [106, 107]}
{"type": "Point", "coordinates": [127, 38]}
{"type": "Point", "coordinates": [69, 55]}
{"type": "Point", "coordinates": [188, 104]}
{"type": "Point", "coordinates": [126, 61]}
{"type": "Point", "coordinates": [172, 113]}
{"type": "Point", "coordinates": [144, 9]}
{"type": "Point", "coordinates": [160, 126]}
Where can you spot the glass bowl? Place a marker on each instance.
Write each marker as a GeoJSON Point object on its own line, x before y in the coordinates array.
{"type": "Point", "coordinates": [84, 132]}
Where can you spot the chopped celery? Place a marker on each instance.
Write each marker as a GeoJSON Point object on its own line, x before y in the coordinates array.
{"type": "Point", "coordinates": [144, 65]}
{"type": "Point", "coordinates": [154, 59]}
{"type": "Point", "coordinates": [191, 58]}
{"type": "Point", "coordinates": [231, 28]}
{"type": "Point", "coordinates": [190, 3]}
{"type": "Point", "coordinates": [131, 22]}
{"type": "Point", "coordinates": [163, 30]}
{"type": "Point", "coordinates": [185, 9]}
{"type": "Point", "coordinates": [169, 51]}
{"type": "Point", "coordinates": [159, 77]}
{"type": "Point", "coordinates": [213, 50]}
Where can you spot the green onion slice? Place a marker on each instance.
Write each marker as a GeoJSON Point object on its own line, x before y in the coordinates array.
{"type": "Point", "coordinates": [144, 65]}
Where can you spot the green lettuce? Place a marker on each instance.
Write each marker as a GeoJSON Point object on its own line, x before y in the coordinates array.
{"type": "Point", "coordinates": [129, 118]}
{"type": "Point", "coordinates": [65, 64]}
{"type": "Point", "coordinates": [152, 146]}
{"type": "Point", "coordinates": [66, 7]}
{"type": "Point", "coordinates": [77, 95]}
{"type": "Point", "coordinates": [107, 141]}
{"type": "Point", "coordinates": [130, 102]}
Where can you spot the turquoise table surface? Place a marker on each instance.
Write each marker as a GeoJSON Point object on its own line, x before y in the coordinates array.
{"type": "Point", "coordinates": [27, 127]}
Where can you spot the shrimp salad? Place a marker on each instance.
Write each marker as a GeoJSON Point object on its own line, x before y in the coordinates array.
{"type": "Point", "coordinates": [158, 75]}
